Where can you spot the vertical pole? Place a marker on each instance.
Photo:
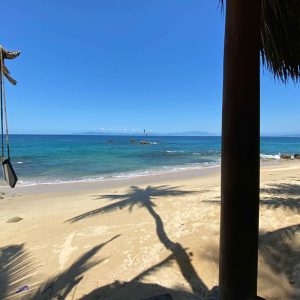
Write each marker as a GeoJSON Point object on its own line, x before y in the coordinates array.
{"type": "Point", "coordinates": [240, 151]}
{"type": "Point", "coordinates": [1, 104]}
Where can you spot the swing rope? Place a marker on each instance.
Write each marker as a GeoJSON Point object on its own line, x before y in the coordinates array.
{"type": "Point", "coordinates": [3, 113]}
{"type": "Point", "coordinates": [6, 122]}
{"type": "Point", "coordinates": [1, 83]}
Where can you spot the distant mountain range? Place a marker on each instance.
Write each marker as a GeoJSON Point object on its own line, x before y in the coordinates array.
{"type": "Point", "coordinates": [185, 133]}
{"type": "Point", "coordinates": [281, 135]}
{"type": "Point", "coordinates": [190, 133]}
{"type": "Point", "coordinates": [291, 135]}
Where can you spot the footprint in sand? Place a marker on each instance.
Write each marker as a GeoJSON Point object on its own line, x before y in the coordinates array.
{"type": "Point", "coordinates": [66, 250]}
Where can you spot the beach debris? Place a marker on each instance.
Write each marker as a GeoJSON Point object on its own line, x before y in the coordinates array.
{"type": "Point", "coordinates": [14, 220]}
{"type": "Point", "coordinates": [22, 289]}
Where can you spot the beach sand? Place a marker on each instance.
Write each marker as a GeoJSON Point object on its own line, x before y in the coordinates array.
{"type": "Point", "coordinates": [139, 237]}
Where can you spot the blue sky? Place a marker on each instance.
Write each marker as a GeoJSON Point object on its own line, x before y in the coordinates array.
{"type": "Point", "coordinates": [125, 65]}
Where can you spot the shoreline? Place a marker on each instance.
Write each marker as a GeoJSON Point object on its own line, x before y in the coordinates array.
{"type": "Point", "coordinates": [112, 182]}
{"type": "Point", "coordinates": [118, 181]}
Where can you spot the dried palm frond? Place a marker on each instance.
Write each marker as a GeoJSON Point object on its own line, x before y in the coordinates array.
{"type": "Point", "coordinates": [6, 54]}
{"type": "Point", "coordinates": [281, 38]}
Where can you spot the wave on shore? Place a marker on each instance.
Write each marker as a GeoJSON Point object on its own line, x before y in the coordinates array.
{"type": "Point", "coordinates": [269, 156]}
{"type": "Point", "coordinates": [119, 176]}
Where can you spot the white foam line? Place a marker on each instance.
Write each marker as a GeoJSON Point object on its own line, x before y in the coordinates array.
{"type": "Point", "coordinates": [123, 176]}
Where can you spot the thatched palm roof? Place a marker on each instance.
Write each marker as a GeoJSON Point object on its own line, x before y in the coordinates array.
{"type": "Point", "coordinates": [280, 38]}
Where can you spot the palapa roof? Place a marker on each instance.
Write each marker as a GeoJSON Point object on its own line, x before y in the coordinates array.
{"type": "Point", "coordinates": [280, 38]}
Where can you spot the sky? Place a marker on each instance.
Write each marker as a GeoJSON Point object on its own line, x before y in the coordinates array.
{"type": "Point", "coordinates": [115, 65]}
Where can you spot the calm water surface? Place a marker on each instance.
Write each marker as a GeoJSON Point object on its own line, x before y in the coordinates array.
{"type": "Point", "coordinates": [60, 158]}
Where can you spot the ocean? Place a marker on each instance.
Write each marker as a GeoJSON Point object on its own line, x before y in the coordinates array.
{"type": "Point", "coordinates": [69, 158]}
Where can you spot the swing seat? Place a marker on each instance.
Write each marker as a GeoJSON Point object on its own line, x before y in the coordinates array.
{"type": "Point", "coordinates": [9, 173]}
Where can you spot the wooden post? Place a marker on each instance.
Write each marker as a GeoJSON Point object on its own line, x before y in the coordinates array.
{"type": "Point", "coordinates": [240, 151]}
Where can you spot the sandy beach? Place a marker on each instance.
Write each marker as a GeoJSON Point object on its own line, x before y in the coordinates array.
{"type": "Point", "coordinates": [140, 237]}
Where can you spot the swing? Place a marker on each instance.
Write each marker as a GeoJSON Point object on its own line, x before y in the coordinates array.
{"type": "Point", "coordinates": [8, 171]}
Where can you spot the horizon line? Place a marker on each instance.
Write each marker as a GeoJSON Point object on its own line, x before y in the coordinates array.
{"type": "Point", "coordinates": [154, 135]}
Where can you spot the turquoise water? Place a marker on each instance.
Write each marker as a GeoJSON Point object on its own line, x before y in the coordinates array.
{"type": "Point", "coordinates": [60, 158]}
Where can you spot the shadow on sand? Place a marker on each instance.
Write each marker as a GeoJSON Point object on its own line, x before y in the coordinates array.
{"type": "Point", "coordinates": [61, 285]}
{"type": "Point", "coordinates": [289, 189]}
{"type": "Point", "coordinates": [135, 197]}
{"type": "Point", "coordinates": [16, 268]}
{"type": "Point", "coordinates": [285, 196]}
{"type": "Point", "coordinates": [277, 197]}
{"type": "Point", "coordinates": [144, 198]}
{"type": "Point", "coordinates": [64, 284]}
{"type": "Point", "coordinates": [278, 249]}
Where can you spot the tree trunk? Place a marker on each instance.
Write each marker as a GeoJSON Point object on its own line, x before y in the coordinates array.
{"type": "Point", "coordinates": [240, 151]}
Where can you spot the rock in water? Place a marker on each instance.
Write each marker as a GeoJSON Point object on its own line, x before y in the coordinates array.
{"type": "Point", "coordinates": [145, 143]}
{"type": "Point", "coordinates": [285, 156]}
{"type": "Point", "coordinates": [14, 220]}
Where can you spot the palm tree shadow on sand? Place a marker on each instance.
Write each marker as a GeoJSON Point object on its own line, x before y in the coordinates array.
{"type": "Point", "coordinates": [282, 195]}
{"type": "Point", "coordinates": [16, 269]}
{"type": "Point", "coordinates": [65, 283]}
{"type": "Point", "coordinates": [144, 198]}
{"type": "Point", "coordinates": [279, 257]}
{"type": "Point", "coordinates": [278, 249]}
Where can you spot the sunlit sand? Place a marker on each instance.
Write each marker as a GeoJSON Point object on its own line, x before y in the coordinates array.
{"type": "Point", "coordinates": [135, 238]}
